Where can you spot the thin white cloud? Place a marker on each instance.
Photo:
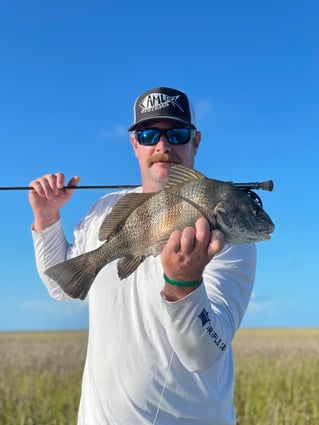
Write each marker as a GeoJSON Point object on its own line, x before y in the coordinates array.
{"type": "Point", "coordinates": [118, 132]}
{"type": "Point", "coordinates": [53, 309]}
{"type": "Point", "coordinates": [260, 304]}
{"type": "Point", "coordinates": [48, 314]}
{"type": "Point", "coordinates": [204, 108]}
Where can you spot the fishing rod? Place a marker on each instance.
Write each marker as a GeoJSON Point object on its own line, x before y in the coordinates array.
{"type": "Point", "coordinates": [266, 185]}
{"type": "Point", "coordinates": [124, 186]}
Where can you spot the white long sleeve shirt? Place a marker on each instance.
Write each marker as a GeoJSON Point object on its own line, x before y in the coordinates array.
{"type": "Point", "coordinates": [150, 361]}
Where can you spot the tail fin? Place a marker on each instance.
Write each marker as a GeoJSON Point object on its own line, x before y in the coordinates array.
{"type": "Point", "coordinates": [75, 276]}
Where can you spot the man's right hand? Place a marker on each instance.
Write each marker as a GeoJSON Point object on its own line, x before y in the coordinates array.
{"type": "Point", "coordinates": [47, 197]}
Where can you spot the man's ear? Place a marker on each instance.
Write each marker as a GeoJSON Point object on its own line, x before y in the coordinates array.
{"type": "Point", "coordinates": [134, 143]}
{"type": "Point", "coordinates": [197, 139]}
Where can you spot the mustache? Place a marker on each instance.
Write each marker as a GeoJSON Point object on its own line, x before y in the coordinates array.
{"type": "Point", "coordinates": [164, 157]}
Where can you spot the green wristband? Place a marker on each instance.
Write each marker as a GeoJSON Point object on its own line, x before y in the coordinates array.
{"type": "Point", "coordinates": [181, 283]}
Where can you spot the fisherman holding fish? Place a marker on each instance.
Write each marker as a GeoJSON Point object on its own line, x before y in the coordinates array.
{"type": "Point", "coordinates": [167, 269]}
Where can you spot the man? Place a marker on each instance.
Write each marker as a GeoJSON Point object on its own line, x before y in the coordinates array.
{"type": "Point", "coordinates": [159, 350]}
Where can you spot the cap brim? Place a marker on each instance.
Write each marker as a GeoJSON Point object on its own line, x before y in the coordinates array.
{"type": "Point", "coordinates": [160, 118]}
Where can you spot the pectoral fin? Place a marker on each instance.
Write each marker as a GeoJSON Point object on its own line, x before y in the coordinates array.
{"type": "Point", "coordinates": [127, 266]}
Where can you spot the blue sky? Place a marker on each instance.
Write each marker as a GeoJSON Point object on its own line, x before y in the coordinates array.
{"type": "Point", "coordinates": [69, 74]}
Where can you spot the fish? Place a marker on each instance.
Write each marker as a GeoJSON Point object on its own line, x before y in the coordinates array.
{"type": "Point", "coordinates": [140, 224]}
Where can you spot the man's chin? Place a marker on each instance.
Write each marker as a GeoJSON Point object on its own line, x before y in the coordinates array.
{"type": "Point", "coordinates": [160, 171]}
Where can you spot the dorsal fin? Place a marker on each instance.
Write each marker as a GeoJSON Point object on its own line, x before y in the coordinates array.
{"type": "Point", "coordinates": [120, 212]}
{"type": "Point", "coordinates": [179, 174]}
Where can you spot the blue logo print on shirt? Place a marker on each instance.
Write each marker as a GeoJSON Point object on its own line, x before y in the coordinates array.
{"type": "Point", "coordinates": [205, 319]}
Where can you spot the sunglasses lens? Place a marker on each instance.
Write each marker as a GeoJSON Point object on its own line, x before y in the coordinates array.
{"type": "Point", "coordinates": [175, 136]}
{"type": "Point", "coordinates": [148, 137]}
{"type": "Point", "coordinates": [178, 136]}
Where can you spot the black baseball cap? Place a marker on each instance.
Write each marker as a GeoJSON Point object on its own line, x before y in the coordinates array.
{"type": "Point", "coordinates": [163, 103]}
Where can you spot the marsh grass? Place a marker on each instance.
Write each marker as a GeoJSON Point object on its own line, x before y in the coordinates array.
{"type": "Point", "coordinates": [40, 377]}
{"type": "Point", "coordinates": [276, 374]}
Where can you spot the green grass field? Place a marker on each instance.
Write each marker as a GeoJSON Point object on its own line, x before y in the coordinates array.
{"type": "Point", "coordinates": [276, 372]}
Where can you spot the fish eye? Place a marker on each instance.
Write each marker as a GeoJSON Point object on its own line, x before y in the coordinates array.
{"type": "Point", "coordinates": [255, 211]}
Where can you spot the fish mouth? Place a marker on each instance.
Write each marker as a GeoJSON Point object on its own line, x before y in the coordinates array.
{"type": "Point", "coordinates": [265, 235]}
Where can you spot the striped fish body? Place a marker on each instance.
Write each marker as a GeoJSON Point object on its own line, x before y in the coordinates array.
{"type": "Point", "coordinates": [141, 223]}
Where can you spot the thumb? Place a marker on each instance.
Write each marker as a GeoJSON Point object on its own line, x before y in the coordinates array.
{"type": "Point", "coordinates": [216, 244]}
{"type": "Point", "coordinates": [74, 181]}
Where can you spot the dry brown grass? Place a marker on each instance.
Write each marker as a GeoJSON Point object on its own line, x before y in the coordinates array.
{"type": "Point", "coordinates": [40, 377]}
{"type": "Point", "coordinates": [277, 376]}
{"type": "Point", "coordinates": [276, 372]}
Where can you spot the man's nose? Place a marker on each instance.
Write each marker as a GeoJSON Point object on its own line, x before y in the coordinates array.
{"type": "Point", "coordinates": [163, 145]}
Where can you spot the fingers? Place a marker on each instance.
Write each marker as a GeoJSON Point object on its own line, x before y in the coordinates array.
{"type": "Point", "coordinates": [50, 185]}
{"type": "Point", "coordinates": [198, 240]}
{"type": "Point", "coordinates": [188, 240]}
{"type": "Point", "coordinates": [213, 240]}
{"type": "Point", "coordinates": [187, 252]}
{"type": "Point", "coordinates": [182, 241]}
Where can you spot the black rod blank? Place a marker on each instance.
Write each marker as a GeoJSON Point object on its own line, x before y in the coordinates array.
{"type": "Point", "coordinates": [266, 185]}
{"type": "Point", "coordinates": [74, 187]}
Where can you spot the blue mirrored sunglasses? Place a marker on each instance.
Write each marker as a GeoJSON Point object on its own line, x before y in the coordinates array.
{"type": "Point", "coordinates": [174, 136]}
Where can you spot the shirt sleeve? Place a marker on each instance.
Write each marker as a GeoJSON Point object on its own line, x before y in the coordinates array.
{"type": "Point", "coordinates": [201, 326]}
{"type": "Point", "coordinates": [50, 247]}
